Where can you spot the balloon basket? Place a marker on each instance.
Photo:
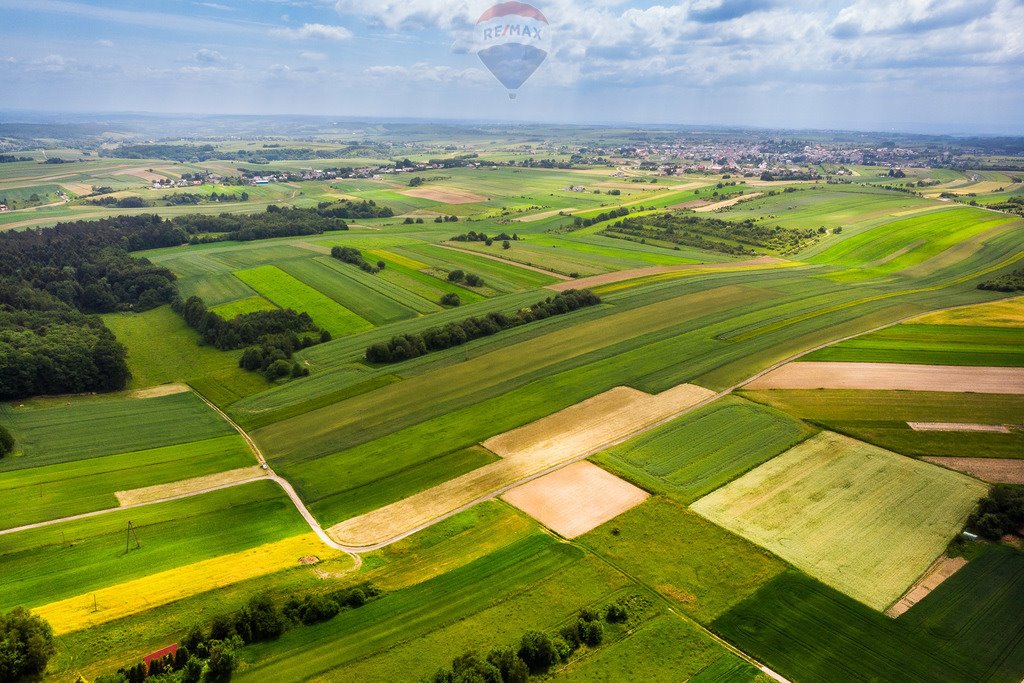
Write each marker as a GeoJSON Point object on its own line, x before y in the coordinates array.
{"type": "Point", "coordinates": [512, 95]}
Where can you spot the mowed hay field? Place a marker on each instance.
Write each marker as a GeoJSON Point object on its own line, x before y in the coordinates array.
{"type": "Point", "coordinates": [38, 494]}
{"type": "Point", "coordinates": [882, 417]}
{"type": "Point", "coordinates": [53, 563]}
{"type": "Point", "coordinates": [705, 449]}
{"type": "Point", "coordinates": [287, 292]}
{"type": "Point", "coordinates": [808, 631]}
{"type": "Point", "coordinates": [866, 521]}
{"type": "Point", "coordinates": [978, 610]}
{"type": "Point", "coordinates": [551, 441]}
{"type": "Point", "coordinates": [54, 430]}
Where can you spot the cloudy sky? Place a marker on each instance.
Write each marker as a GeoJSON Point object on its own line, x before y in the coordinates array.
{"type": "Point", "coordinates": [915, 65]}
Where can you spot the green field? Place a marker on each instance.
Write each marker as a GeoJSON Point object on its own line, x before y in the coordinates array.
{"type": "Point", "coordinates": [705, 449]}
{"type": "Point", "coordinates": [60, 490]}
{"type": "Point", "coordinates": [881, 417]}
{"type": "Point", "coordinates": [863, 520]}
{"type": "Point", "coordinates": [51, 431]}
{"type": "Point", "coordinates": [45, 565]}
{"type": "Point", "coordinates": [809, 632]}
{"type": "Point", "coordinates": [250, 304]}
{"type": "Point", "coordinates": [287, 292]}
{"type": "Point", "coordinates": [675, 551]}
{"type": "Point", "coordinates": [932, 345]}
{"type": "Point", "coordinates": [977, 610]}
{"type": "Point", "coordinates": [162, 349]}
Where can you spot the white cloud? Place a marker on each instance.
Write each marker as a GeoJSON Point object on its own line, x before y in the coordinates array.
{"type": "Point", "coordinates": [313, 32]}
{"type": "Point", "coordinates": [313, 56]}
{"type": "Point", "coordinates": [208, 57]}
{"type": "Point", "coordinates": [105, 43]}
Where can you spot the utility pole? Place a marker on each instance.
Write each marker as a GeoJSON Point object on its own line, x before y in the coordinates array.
{"type": "Point", "coordinates": [128, 537]}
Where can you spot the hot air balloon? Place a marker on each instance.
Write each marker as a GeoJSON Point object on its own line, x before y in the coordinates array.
{"type": "Point", "coordinates": [512, 41]}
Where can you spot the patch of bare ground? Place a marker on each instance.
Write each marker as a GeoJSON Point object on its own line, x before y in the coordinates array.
{"type": "Point", "coordinates": [942, 569]}
{"type": "Point", "coordinates": [162, 390]}
{"type": "Point", "coordinates": [185, 487]}
{"type": "Point", "coordinates": [142, 173]}
{"type": "Point", "coordinates": [575, 499]}
{"type": "Point", "coordinates": [957, 427]}
{"type": "Point", "coordinates": [992, 470]}
{"type": "Point", "coordinates": [893, 377]}
{"type": "Point", "coordinates": [533, 449]}
{"type": "Point", "coordinates": [318, 248]}
{"type": "Point", "coordinates": [692, 204]}
{"type": "Point", "coordinates": [622, 275]}
{"type": "Point", "coordinates": [727, 203]}
{"type": "Point", "coordinates": [445, 195]}
{"type": "Point", "coordinates": [544, 214]}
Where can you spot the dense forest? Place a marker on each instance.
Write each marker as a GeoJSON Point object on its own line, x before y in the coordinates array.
{"type": "Point", "coordinates": [52, 279]}
{"type": "Point", "coordinates": [740, 238]}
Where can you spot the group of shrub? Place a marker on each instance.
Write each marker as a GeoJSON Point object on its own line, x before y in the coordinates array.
{"type": "Point", "coordinates": [999, 513]}
{"type": "Point", "coordinates": [209, 654]}
{"type": "Point", "coordinates": [470, 279]}
{"type": "Point", "coordinates": [6, 442]}
{"type": "Point", "coordinates": [472, 236]}
{"type": "Point", "coordinates": [405, 346]}
{"type": "Point", "coordinates": [536, 653]}
{"type": "Point", "coordinates": [355, 257]}
{"type": "Point", "coordinates": [1010, 282]}
{"type": "Point", "coordinates": [600, 218]}
{"type": "Point", "coordinates": [270, 338]}
{"type": "Point", "coordinates": [446, 219]}
{"type": "Point", "coordinates": [26, 645]}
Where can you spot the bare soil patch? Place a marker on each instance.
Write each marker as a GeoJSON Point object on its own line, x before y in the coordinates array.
{"type": "Point", "coordinates": [575, 499]}
{"type": "Point", "coordinates": [943, 568]}
{"type": "Point", "coordinates": [727, 203]}
{"type": "Point", "coordinates": [78, 188]}
{"type": "Point", "coordinates": [893, 377]}
{"type": "Point", "coordinates": [992, 470]}
{"type": "Point", "coordinates": [957, 427]}
{"type": "Point", "coordinates": [162, 390]}
{"type": "Point", "coordinates": [563, 437]}
{"type": "Point", "coordinates": [692, 204]}
{"type": "Point", "coordinates": [633, 273]}
{"type": "Point", "coordinates": [188, 486]}
{"type": "Point", "coordinates": [544, 214]}
{"type": "Point", "coordinates": [445, 196]}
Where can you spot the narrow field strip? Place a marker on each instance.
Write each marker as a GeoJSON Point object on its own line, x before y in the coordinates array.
{"type": "Point", "coordinates": [943, 568]}
{"type": "Point", "coordinates": [575, 499]}
{"type": "Point", "coordinates": [140, 595]}
{"type": "Point", "coordinates": [634, 273]}
{"type": "Point", "coordinates": [550, 442]}
{"type": "Point", "coordinates": [288, 292]}
{"type": "Point", "coordinates": [957, 427]}
{"type": "Point", "coordinates": [992, 470]}
{"type": "Point", "coordinates": [185, 487]}
{"type": "Point", "coordinates": [893, 376]}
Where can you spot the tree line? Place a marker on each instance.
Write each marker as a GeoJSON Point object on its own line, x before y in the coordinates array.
{"type": "Point", "coordinates": [1010, 282]}
{"type": "Point", "coordinates": [473, 236]}
{"type": "Point", "coordinates": [210, 653]}
{"type": "Point", "coordinates": [999, 513]}
{"type": "Point", "coordinates": [536, 651]}
{"type": "Point", "coordinates": [354, 257]}
{"type": "Point", "coordinates": [406, 346]}
{"type": "Point", "coordinates": [713, 234]}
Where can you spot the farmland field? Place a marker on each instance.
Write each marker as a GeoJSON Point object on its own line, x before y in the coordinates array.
{"type": "Point", "coordinates": [511, 464]}
{"type": "Point", "coordinates": [701, 451]}
{"type": "Point", "coordinates": [882, 417]}
{"type": "Point", "coordinates": [866, 521]}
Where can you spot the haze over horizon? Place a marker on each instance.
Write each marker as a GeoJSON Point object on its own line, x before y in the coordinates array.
{"type": "Point", "coordinates": [911, 66]}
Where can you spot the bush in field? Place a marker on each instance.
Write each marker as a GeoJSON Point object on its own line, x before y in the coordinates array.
{"type": "Point", "coordinates": [259, 620]}
{"type": "Point", "coordinates": [474, 280]}
{"type": "Point", "coordinates": [538, 652]}
{"type": "Point", "coordinates": [451, 299]}
{"type": "Point", "coordinates": [26, 644]}
{"type": "Point", "coordinates": [353, 256]}
{"type": "Point", "coordinates": [6, 441]}
{"type": "Point", "coordinates": [456, 276]}
{"type": "Point", "coordinates": [999, 513]}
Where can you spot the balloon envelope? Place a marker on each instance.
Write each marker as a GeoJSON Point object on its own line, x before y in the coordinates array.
{"type": "Point", "coordinates": [512, 42]}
